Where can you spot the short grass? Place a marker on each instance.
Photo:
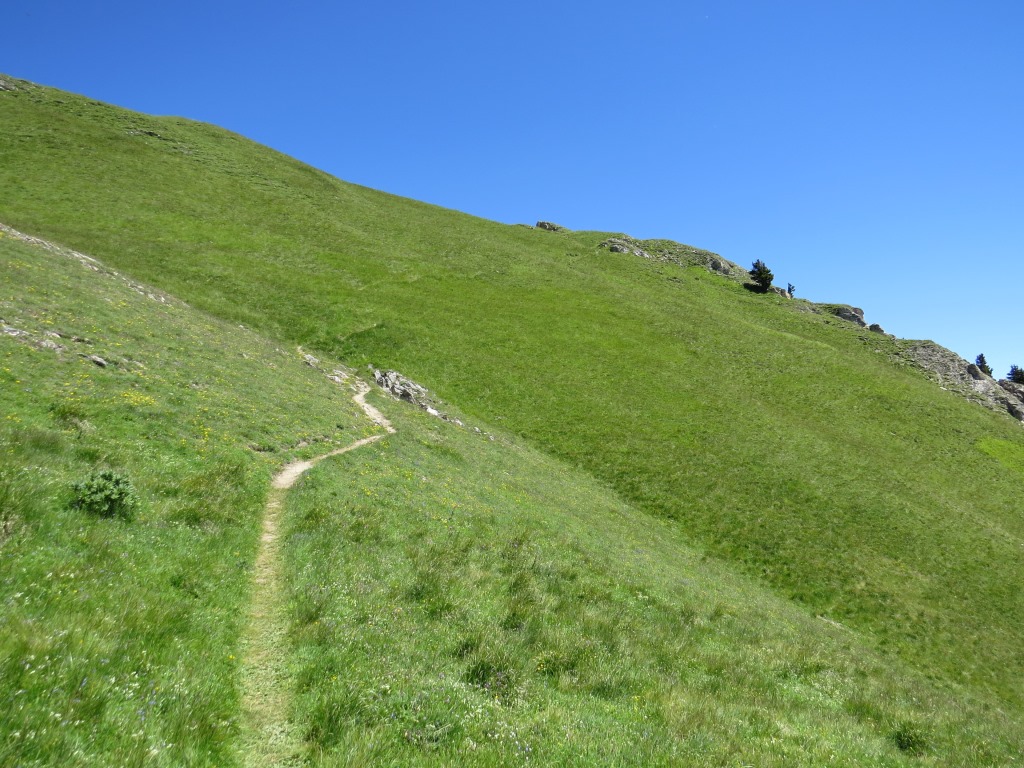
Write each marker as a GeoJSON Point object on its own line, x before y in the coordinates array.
{"type": "Point", "coordinates": [789, 444]}
{"type": "Point", "coordinates": [461, 601]}
{"type": "Point", "coordinates": [119, 641]}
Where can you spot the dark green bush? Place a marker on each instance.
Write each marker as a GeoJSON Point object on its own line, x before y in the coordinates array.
{"type": "Point", "coordinates": [105, 494]}
{"type": "Point", "coordinates": [762, 276]}
{"type": "Point", "coordinates": [909, 738]}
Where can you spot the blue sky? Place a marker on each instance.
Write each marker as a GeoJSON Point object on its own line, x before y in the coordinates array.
{"type": "Point", "coordinates": [871, 153]}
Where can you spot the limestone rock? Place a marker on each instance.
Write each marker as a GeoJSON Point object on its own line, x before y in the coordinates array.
{"type": "Point", "coordinates": [549, 226]}
{"type": "Point", "coordinates": [1015, 389]}
{"type": "Point", "coordinates": [853, 315]}
{"type": "Point", "coordinates": [719, 265]}
{"type": "Point", "coordinates": [955, 374]}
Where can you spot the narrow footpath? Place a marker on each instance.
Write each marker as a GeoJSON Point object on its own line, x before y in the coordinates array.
{"type": "Point", "coordinates": [268, 737]}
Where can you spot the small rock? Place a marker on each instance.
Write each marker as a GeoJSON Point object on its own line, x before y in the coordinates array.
{"type": "Point", "coordinates": [975, 372]}
{"type": "Point", "coordinates": [98, 360]}
{"type": "Point", "coordinates": [876, 328]}
{"type": "Point", "coordinates": [311, 361]}
{"type": "Point", "coordinates": [549, 226]}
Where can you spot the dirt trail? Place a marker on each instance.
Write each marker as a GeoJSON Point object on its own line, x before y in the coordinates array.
{"type": "Point", "coordinates": [269, 738]}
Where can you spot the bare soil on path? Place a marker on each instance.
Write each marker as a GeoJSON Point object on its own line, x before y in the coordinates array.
{"type": "Point", "coordinates": [268, 736]}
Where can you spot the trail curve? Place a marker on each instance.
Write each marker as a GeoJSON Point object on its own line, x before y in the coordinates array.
{"type": "Point", "coordinates": [268, 737]}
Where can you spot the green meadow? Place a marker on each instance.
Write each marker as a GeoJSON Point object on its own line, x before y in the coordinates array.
{"type": "Point", "coordinates": [715, 527]}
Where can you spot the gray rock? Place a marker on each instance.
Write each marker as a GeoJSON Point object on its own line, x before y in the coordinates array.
{"type": "Point", "coordinates": [780, 291]}
{"type": "Point", "coordinates": [876, 328]}
{"type": "Point", "coordinates": [1015, 389]}
{"type": "Point", "coordinates": [951, 372]}
{"type": "Point", "coordinates": [98, 360]}
{"type": "Point", "coordinates": [549, 226]}
{"type": "Point", "coordinates": [7, 85]}
{"type": "Point", "coordinates": [1016, 410]}
{"type": "Point", "coordinates": [850, 314]}
{"type": "Point", "coordinates": [311, 361]}
{"type": "Point", "coordinates": [719, 265]}
{"type": "Point", "coordinates": [618, 248]}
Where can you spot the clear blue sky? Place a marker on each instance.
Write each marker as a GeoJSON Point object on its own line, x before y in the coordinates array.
{"type": "Point", "coordinates": [871, 153]}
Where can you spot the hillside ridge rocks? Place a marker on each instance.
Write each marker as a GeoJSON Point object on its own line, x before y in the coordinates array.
{"type": "Point", "coordinates": [955, 374]}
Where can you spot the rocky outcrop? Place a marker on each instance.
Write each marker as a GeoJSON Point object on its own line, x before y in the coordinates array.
{"type": "Point", "coordinates": [955, 374]}
{"type": "Point", "coordinates": [401, 387]}
{"type": "Point", "coordinates": [876, 328]}
{"type": "Point", "coordinates": [669, 252]}
{"type": "Point", "coordinates": [853, 315]}
{"type": "Point", "coordinates": [625, 245]}
{"type": "Point", "coordinates": [550, 227]}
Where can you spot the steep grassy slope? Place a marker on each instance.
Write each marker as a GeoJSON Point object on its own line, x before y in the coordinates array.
{"type": "Point", "coordinates": [119, 639]}
{"type": "Point", "coordinates": [457, 601]}
{"type": "Point", "coordinates": [785, 442]}
{"type": "Point", "coordinates": [452, 599]}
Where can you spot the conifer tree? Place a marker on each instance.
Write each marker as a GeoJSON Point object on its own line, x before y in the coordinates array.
{"type": "Point", "coordinates": [982, 363]}
{"type": "Point", "coordinates": [762, 276]}
{"type": "Point", "coordinates": [1016, 374]}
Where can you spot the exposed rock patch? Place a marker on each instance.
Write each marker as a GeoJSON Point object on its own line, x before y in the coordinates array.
{"type": "Point", "coordinates": [625, 245]}
{"type": "Point", "coordinates": [406, 389]}
{"type": "Point", "coordinates": [669, 252]}
{"type": "Point", "coordinates": [550, 227]}
{"type": "Point", "coordinates": [955, 374]}
{"type": "Point", "coordinates": [850, 314]}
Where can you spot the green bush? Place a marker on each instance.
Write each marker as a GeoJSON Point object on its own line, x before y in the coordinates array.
{"type": "Point", "coordinates": [909, 738]}
{"type": "Point", "coordinates": [106, 494]}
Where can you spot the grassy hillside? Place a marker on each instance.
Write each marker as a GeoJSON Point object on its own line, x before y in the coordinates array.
{"type": "Point", "coordinates": [120, 636]}
{"type": "Point", "coordinates": [461, 601]}
{"type": "Point", "coordinates": [449, 598]}
{"type": "Point", "coordinates": [790, 445]}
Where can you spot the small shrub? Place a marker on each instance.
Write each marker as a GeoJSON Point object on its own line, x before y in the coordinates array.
{"type": "Point", "coordinates": [67, 412]}
{"type": "Point", "coordinates": [909, 739]}
{"type": "Point", "coordinates": [105, 494]}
